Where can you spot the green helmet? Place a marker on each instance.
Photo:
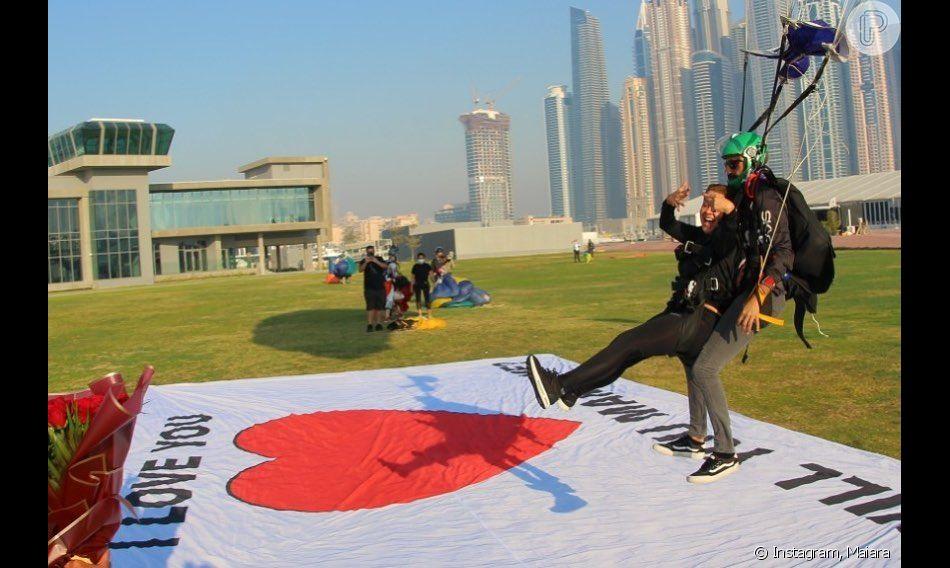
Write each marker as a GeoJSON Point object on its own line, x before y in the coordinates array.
{"type": "Point", "coordinates": [750, 147]}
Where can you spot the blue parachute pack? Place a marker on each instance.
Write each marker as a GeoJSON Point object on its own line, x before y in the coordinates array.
{"type": "Point", "coordinates": [450, 293]}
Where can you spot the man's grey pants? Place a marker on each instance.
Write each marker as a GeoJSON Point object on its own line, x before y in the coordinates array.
{"type": "Point", "coordinates": [703, 386]}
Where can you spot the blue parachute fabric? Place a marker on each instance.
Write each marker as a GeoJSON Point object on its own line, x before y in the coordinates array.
{"type": "Point", "coordinates": [464, 304]}
{"type": "Point", "coordinates": [350, 266]}
{"type": "Point", "coordinates": [339, 268]}
{"type": "Point", "coordinates": [465, 288]}
{"type": "Point", "coordinates": [810, 39]}
{"type": "Point", "coordinates": [479, 297]}
{"type": "Point", "coordinates": [448, 288]}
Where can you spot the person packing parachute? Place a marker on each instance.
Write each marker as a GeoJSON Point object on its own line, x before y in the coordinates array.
{"type": "Point", "coordinates": [708, 262]}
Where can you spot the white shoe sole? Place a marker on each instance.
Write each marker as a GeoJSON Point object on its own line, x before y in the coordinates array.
{"type": "Point", "coordinates": [660, 448]}
{"type": "Point", "coordinates": [711, 478]}
{"type": "Point", "coordinates": [563, 405]}
{"type": "Point", "coordinates": [538, 386]}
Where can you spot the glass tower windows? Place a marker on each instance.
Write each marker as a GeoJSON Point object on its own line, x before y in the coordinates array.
{"type": "Point", "coordinates": [115, 234]}
{"type": "Point", "coordinates": [64, 256]}
{"type": "Point", "coordinates": [226, 207]}
{"type": "Point", "coordinates": [116, 137]}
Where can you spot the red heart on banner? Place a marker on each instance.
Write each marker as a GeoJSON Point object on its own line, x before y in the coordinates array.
{"type": "Point", "coordinates": [345, 460]}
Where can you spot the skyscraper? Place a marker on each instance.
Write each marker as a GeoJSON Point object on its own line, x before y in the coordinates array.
{"type": "Point", "coordinates": [637, 150]}
{"type": "Point", "coordinates": [641, 45]}
{"type": "Point", "coordinates": [647, 131]}
{"type": "Point", "coordinates": [590, 100]}
{"type": "Point", "coordinates": [670, 43]}
{"type": "Point", "coordinates": [871, 101]}
{"type": "Point", "coordinates": [488, 161]}
{"type": "Point", "coordinates": [616, 187]}
{"type": "Point", "coordinates": [737, 43]}
{"type": "Point", "coordinates": [764, 29]}
{"type": "Point", "coordinates": [711, 21]}
{"type": "Point", "coordinates": [714, 111]}
{"type": "Point", "coordinates": [557, 110]}
{"type": "Point", "coordinates": [826, 111]}
{"type": "Point", "coordinates": [892, 67]}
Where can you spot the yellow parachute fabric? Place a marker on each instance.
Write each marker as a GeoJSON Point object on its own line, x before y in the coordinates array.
{"type": "Point", "coordinates": [430, 323]}
{"type": "Point", "coordinates": [439, 302]}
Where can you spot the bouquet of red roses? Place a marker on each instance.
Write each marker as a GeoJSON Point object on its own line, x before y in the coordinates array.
{"type": "Point", "coordinates": [90, 433]}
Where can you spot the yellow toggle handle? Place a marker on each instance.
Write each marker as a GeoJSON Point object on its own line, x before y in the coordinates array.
{"type": "Point", "coordinates": [771, 320]}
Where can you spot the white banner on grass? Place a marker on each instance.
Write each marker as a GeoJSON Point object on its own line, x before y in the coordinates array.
{"type": "Point", "coordinates": [457, 465]}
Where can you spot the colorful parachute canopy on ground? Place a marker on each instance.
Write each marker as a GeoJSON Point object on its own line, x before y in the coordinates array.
{"type": "Point", "coordinates": [461, 293]}
{"type": "Point", "coordinates": [343, 266]}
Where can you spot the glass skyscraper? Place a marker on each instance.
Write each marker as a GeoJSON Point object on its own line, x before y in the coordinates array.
{"type": "Point", "coordinates": [764, 29]}
{"type": "Point", "coordinates": [827, 110]}
{"type": "Point", "coordinates": [590, 104]}
{"type": "Point", "coordinates": [715, 113]}
{"type": "Point", "coordinates": [557, 113]}
{"type": "Point", "coordinates": [670, 43]}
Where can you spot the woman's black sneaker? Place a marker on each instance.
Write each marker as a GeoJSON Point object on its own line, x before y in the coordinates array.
{"type": "Point", "coordinates": [715, 467]}
{"type": "Point", "coordinates": [567, 401]}
{"type": "Point", "coordinates": [369, 327]}
{"type": "Point", "coordinates": [684, 446]}
{"type": "Point", "coordinates": [547, 387]}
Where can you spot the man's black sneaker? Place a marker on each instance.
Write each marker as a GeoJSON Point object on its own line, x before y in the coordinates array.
{"type": "Point", "coordinates": [379, 327]}
{"type": "Point", "coordinates": [715, 467]}
{"type": "Point", "coordinates": [547, 387]}
{"type": "Point", "coordinates": [369, 327]}
{"type": "Point", "coordinates": [684, 446]}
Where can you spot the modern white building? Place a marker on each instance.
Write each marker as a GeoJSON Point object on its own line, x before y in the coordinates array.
{"type": "Point", "coordinates": [557, 116]}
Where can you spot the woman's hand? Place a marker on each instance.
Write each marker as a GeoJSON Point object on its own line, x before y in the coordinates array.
{"type": "Point", "coordinates": [749, 318]}
{"type": "Point", "coordinates": [679, 197]}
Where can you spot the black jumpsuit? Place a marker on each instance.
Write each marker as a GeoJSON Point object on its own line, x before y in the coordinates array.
{"type": "Point", "coordinates": [712, 264]}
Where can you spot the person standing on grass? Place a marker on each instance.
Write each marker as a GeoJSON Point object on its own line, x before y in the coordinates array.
{"type": "Point", "coordinates": [420, 283]}
{"type": "Point", "coordinates": [577, 251]}
{"type": "Point", "coordinates": [374, 288]}
{"type": "Point", "coordinates": [590, 248]}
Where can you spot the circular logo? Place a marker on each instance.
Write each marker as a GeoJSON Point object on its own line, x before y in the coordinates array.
{"type": "Point", "coordinates": [873, 27]}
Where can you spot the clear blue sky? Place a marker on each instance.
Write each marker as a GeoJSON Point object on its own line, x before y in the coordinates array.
{"type": "Point", "coordinates": [376, 85]}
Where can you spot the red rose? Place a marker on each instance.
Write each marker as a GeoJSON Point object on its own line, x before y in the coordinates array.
{"type": "Point", "coordinates": [56, 412]}
{"type": "Point", "coordinates": [87, 406]}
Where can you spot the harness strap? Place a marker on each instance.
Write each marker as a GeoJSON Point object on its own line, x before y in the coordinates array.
{"type": "Point", "coordinates": [800, 321]}
{"type": "Point", "coordinates": [808, 90]}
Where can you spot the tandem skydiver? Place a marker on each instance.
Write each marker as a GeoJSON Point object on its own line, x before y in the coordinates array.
{"type": "Point", "coordinates": [756, 199]}
{"type": "Point", "coordinates": [708, 264]}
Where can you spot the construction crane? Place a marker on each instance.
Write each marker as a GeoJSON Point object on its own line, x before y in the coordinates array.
{"type": "Point", "coordinates": [488, 99]}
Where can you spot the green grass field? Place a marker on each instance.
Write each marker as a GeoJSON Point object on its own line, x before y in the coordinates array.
{"type": "Point", "coordinates": [846, 389]}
